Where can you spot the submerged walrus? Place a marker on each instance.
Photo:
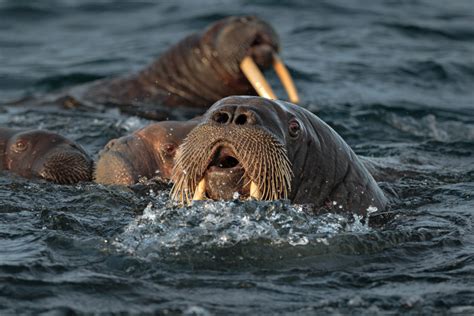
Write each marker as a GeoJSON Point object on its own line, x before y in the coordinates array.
{"type": "Point", "coordinates": [199, 70]}
{"type": "Point", "coordinates": [147, 153]}
{"type": "Point", "coordinates": [43, 154]}
{"type": "Point", "coordinates": [271, 150]}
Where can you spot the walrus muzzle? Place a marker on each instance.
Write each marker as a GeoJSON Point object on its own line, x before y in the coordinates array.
{"type": "Point", "coordinates": [66, 167]}
{"type": "Point", "coordinates": [216, 161]}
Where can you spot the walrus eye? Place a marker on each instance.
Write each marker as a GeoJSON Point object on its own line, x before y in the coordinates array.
{"type": "Point", "coordinates": [20, 146]}
{"type": "Point", "coordinates": [169, 149]}
{"type": "Point", "coordinates": [294, 128]}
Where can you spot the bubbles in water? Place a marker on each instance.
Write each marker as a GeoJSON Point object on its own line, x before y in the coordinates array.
{"type": "Point", "coordinates": [196, 311]}
{"type": "Point", "coordinates": [132, 123]}
{"type": "Point", "coordinates": [372, 209]}
{"type": "Point", "coordinates": [206, 228]}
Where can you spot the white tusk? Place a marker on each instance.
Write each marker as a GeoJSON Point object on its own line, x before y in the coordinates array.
{"type": "Point", "coordinates": [255, 191]}
{"type": "Point", "coordinates": [256, 78]}
{"type": "Point", "coordinates": [285, 79]}
{"type": "Point", "coordinates": [200, 193]}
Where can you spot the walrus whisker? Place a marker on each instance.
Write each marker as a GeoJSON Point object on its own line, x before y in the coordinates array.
{"type": "Point", "coordinates": [256, 78]}
{"type": "Point", "coordinates": [285, 78]}
{"type": "Point", "coordinates": [273, 184]}
{"type": "Point", "coordinates": [266, 168]}
{"type": "Point", "coordinates": [268, 165]}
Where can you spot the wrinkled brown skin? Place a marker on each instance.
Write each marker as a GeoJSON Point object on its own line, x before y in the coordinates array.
{"type": "Point", "coordinates": [147, 153]}
{"type": "Point", "coordinates": [327, 173]}
{"type": "Point", "coordinates": [196, 72]}
{"type": "Point", "coordinates": [45, 155]}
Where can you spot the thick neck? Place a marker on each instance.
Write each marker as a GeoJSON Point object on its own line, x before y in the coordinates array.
{"type": "Point", "coordinates": [334, 177]}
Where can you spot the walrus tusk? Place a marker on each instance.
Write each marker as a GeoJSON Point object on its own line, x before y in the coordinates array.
{"type": "Point", "coordinates": [285, 79]}
{"type": "Point", "coordinates": [256, 78]}
{"type": "Point", "coordinates": [255, 191]}
{"type": "Point", "coordinates": [200, 193]}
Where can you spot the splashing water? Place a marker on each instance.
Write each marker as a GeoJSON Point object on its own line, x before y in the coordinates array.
{"type": "Point", "coordinates": [166, 229]}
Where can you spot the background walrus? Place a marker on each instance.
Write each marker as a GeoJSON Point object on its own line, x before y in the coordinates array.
{"type": "Point", "coordinates": [148, 152]}
{"type": "Point", "coordinates": [272, 150]}
{"type": "Point", "coordinates": [202, 68]}
{"type": "Point", "coordinates": [43, 154]}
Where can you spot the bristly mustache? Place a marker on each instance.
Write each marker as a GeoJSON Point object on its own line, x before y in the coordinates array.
{"type": "Point", "coordinates": [67, 168]}
{"type": "Point", "coordinates": [262, 156]}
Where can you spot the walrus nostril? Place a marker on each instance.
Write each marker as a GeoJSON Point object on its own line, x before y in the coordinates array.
{"type": "Point", "coordinates": [244, 116]}
{"type": "Point", "coordinates": [221, 117]}
{"type": "Point", "coordinates": [241, 119]}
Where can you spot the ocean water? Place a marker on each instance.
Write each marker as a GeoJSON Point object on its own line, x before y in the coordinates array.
{"type": "Point", "coordinates": [394, 78]}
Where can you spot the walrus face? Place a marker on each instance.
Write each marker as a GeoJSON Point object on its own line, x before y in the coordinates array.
{"type": "Point", "coordinates": [271, 150]}
{"type": "Point", "coordinates": [244, 45]}
{"type": "Point", "coordinates": [165, 138]}
{"type": "Point", "coordinates": [240, 147]}
{"type": "Point", "coordinates": [147, 153]}
{"type": "Point", "coordinates": [42, 154]}
{"type": "Point", "coordinates": [234, 38]}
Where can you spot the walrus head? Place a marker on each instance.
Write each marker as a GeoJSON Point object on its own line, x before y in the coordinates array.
{"type": "Point", "coordinates": [47, 155]}
{"type": "Point", "coordinates": [147, 153]}
{"type": "Point", "coordinates": [224, 59]}
{"type": "Point", "coordinates": [242, 46]}
{"type": "Point", "coordinates": [270, 150]}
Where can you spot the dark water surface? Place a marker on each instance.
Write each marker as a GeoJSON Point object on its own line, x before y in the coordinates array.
{"type": "Point", "coordinates": [394, 78]}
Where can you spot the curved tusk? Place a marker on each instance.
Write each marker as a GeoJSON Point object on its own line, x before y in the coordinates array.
{"type": "Point", "coordinates": [200, 193]}
{"type": "Point", "coordinates": [255, 191]}
{"type": "Point", "coordinates": [256, 78]}
{"type": "Point", "coordinates": [285, 79]}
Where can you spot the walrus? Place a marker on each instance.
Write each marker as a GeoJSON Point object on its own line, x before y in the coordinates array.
{"type": "Point", "coordinates": [252, 147]}
{"type": "Point", "coordinates": [147, 153]}
{"type": "Point", "coordinates": [223, 60]}
{"type": "Point", "coordinates": [44, 154]}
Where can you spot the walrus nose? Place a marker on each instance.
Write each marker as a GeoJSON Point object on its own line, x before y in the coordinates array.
{"type": "Point", "coordinates": [223, 116]}
{"type": "Point", "coordinates": [234, 115]}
